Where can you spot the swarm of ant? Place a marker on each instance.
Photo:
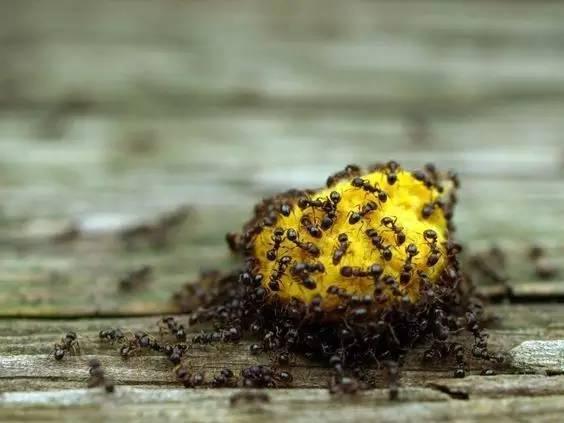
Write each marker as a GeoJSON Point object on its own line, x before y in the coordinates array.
{"type": "Point", "coordinates": [354, 275]}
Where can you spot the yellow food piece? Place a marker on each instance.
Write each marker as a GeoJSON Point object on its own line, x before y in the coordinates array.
{"type": "Point", "coordinates": [406, 199]}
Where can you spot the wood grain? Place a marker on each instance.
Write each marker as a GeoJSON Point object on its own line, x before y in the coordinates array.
{"type": "Point", "coordinates": [113, 113]}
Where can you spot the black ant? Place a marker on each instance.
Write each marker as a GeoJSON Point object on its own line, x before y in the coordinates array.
{"type": "Point", "coordinates": [111, 335]}
{"type": "Point", "coordinates": [225, 378]}
{"type": "Point", "coordinates": [339, 292]}
{"type": "Point", "coordinates": [264, 377]}
{"type": "Point", "coordinates": [283, 263]}
{"type": "Point", "coordinates": [430, 237]}
{"type": "Point", "coordinates": [341, 249]}
{"type": "Point", "coordinates": [391, 172]}
{"type": "Point", "coordinates": [252, 232]}
{"type": "Point", "coordinates": [335, 198]}
{"type": "Point", "coordinates": [348, 172]}
{"type": "Point", "coordinates": [431, 170]}
{"type": "Point", "coordinates": [277, 238]}
{"type": "Point", "coordinates": [330, 208]}
{"type": "Point", "coordinates": [140, 340]}
{"type": "Point", "coordinates": [312, 229]}
{"type": "Point", "coordinates": [405, 275]}
{"type": "Point", "coordinates": [365, 185]}
{"type": "Point", "coordinates": [97, 376]}
{"type": "Point", "coordinates": [302, 271]}
{"type": "Point", "coordinates": [422, 177]}
{"type": "Point", "coordinates": [304, 268]}
{"type": "Point", "coordinates": [374, 271]}
{"type": "Point", "coordinates": [367, 208]}
{"type": "Point", "coordinates": [378, 242]}
{"type": "Point", "coordinates": [453, 249]}
{"type": "Point", "coordinates": [188, 379]}
{"type": "Point", "coordinates": [170, 324]}
{"type": "Point", "coordinates": [427, 210]}
{"type": "Point", "coordinates": [308, 283]}
{"type": "Point", "coordinates": [390, 223]}
{"type": "Point", "coordinates": [68, 344]}
{"type": "Point", "coordinates": [327, 221]}
{"type": "Point", "coordinates": [308, 247]}
{"type": "Point", "coordinates": [453, 176]}
{"type": "Point", "coordinates": [285, 209]}
{"type": "Point", "coordinates": [175, 352]}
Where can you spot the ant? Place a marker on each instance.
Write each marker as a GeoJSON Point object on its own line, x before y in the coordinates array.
{"type": "Point", "coordinates": [304, 203]}
{"type": "Point", "coordinates": [330, 208]}
{"type": "Point", "coordinates": [308, 247]}
{"type": "Point", "coordinates": [69, 343]}
{"type": "Point", "coordinates": [170, 324]}
{"type": "Point", "coordinates": [335, 198]}
{"type": "Point", "coordinates": [356, 272]}
{"type": "Point", "coordinates": [252, 232]}
{"type": "Point", "coordinates": [390, 223]}
{"type": "Point", "coordinates": [391, 172]}
{"type": "Point", "coordinates": [308, 283]}
{"type": "Point", "coordinates": [348, 172]}
{"type": "Point", "coordinates": [378, 242]}
{"type": "Point", "coordinates": [285, 209]}
{"type": "Point", "coordinates": [140, 340]}
{"type": "Point", "coordinates": [405, 275]}
{"type": "Point", "coordinates": [97, 376]}
{"type": "Point", "coordinates": [453, 176]}
{"type": "Point", "coordinates": [277, 238]}
{"type": "Point", "coordinates": [225, 378]}
{"type": "Point", "coordinates": [283, 263]}
{"type": "Point", "coordinates": [339, 292]}
{"type": "Point", "coordinates": [111, 335]}
{"type": "Point", "coordinates": [429, 177]}
{"type": "Point", "coordinates": [453, 249]}
{"type": "Point", "coordinates": [301, 268]}
{"type": "Point", "coordinates": [188, 379]}
{"type": "Point", "coordinates": [312, 229]}
{"type": "Point", "coordinates": [263, 376]}
{"type": "Point", "coordinates": [302, 271]}
{"type": "Point", "coordinates": [175, 352]}
{"type": "Point", "coordinates": [342, 249]}
{"type": "Point", "coordinates": [367, 208]}
{"type": "Point", "coordinates": [427, 210]}
{"type": "Point", "coordinates": [430, 237]}
{"type": "Point", "coordinates": [327, 221]}
{"type": "Point", "coordinates": [365, 185]}
{"type": "Point", "coordinates": [431, 170]}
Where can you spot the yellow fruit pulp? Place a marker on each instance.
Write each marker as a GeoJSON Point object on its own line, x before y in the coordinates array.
{"type": "Point", "coordinates": [406, 199]}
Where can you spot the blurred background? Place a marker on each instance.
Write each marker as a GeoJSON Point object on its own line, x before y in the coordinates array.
{"type": "Point", "coordinates": [117, 113]}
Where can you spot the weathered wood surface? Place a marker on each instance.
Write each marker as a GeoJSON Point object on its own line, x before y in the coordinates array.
{"type": "Point", "coordinates": [112, 113]}
{"type": "Point", "coordinates": [25, 367]}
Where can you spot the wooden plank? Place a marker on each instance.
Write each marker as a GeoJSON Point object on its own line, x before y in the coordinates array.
{"type": "Point", "coordinates": [25, 345]}
{"type": "Point", "coordinates": [447, 59]}
{"type": "Point", "coordinates": [294, 405]}
{"type": "Point", "coordinates": [118, 185]}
